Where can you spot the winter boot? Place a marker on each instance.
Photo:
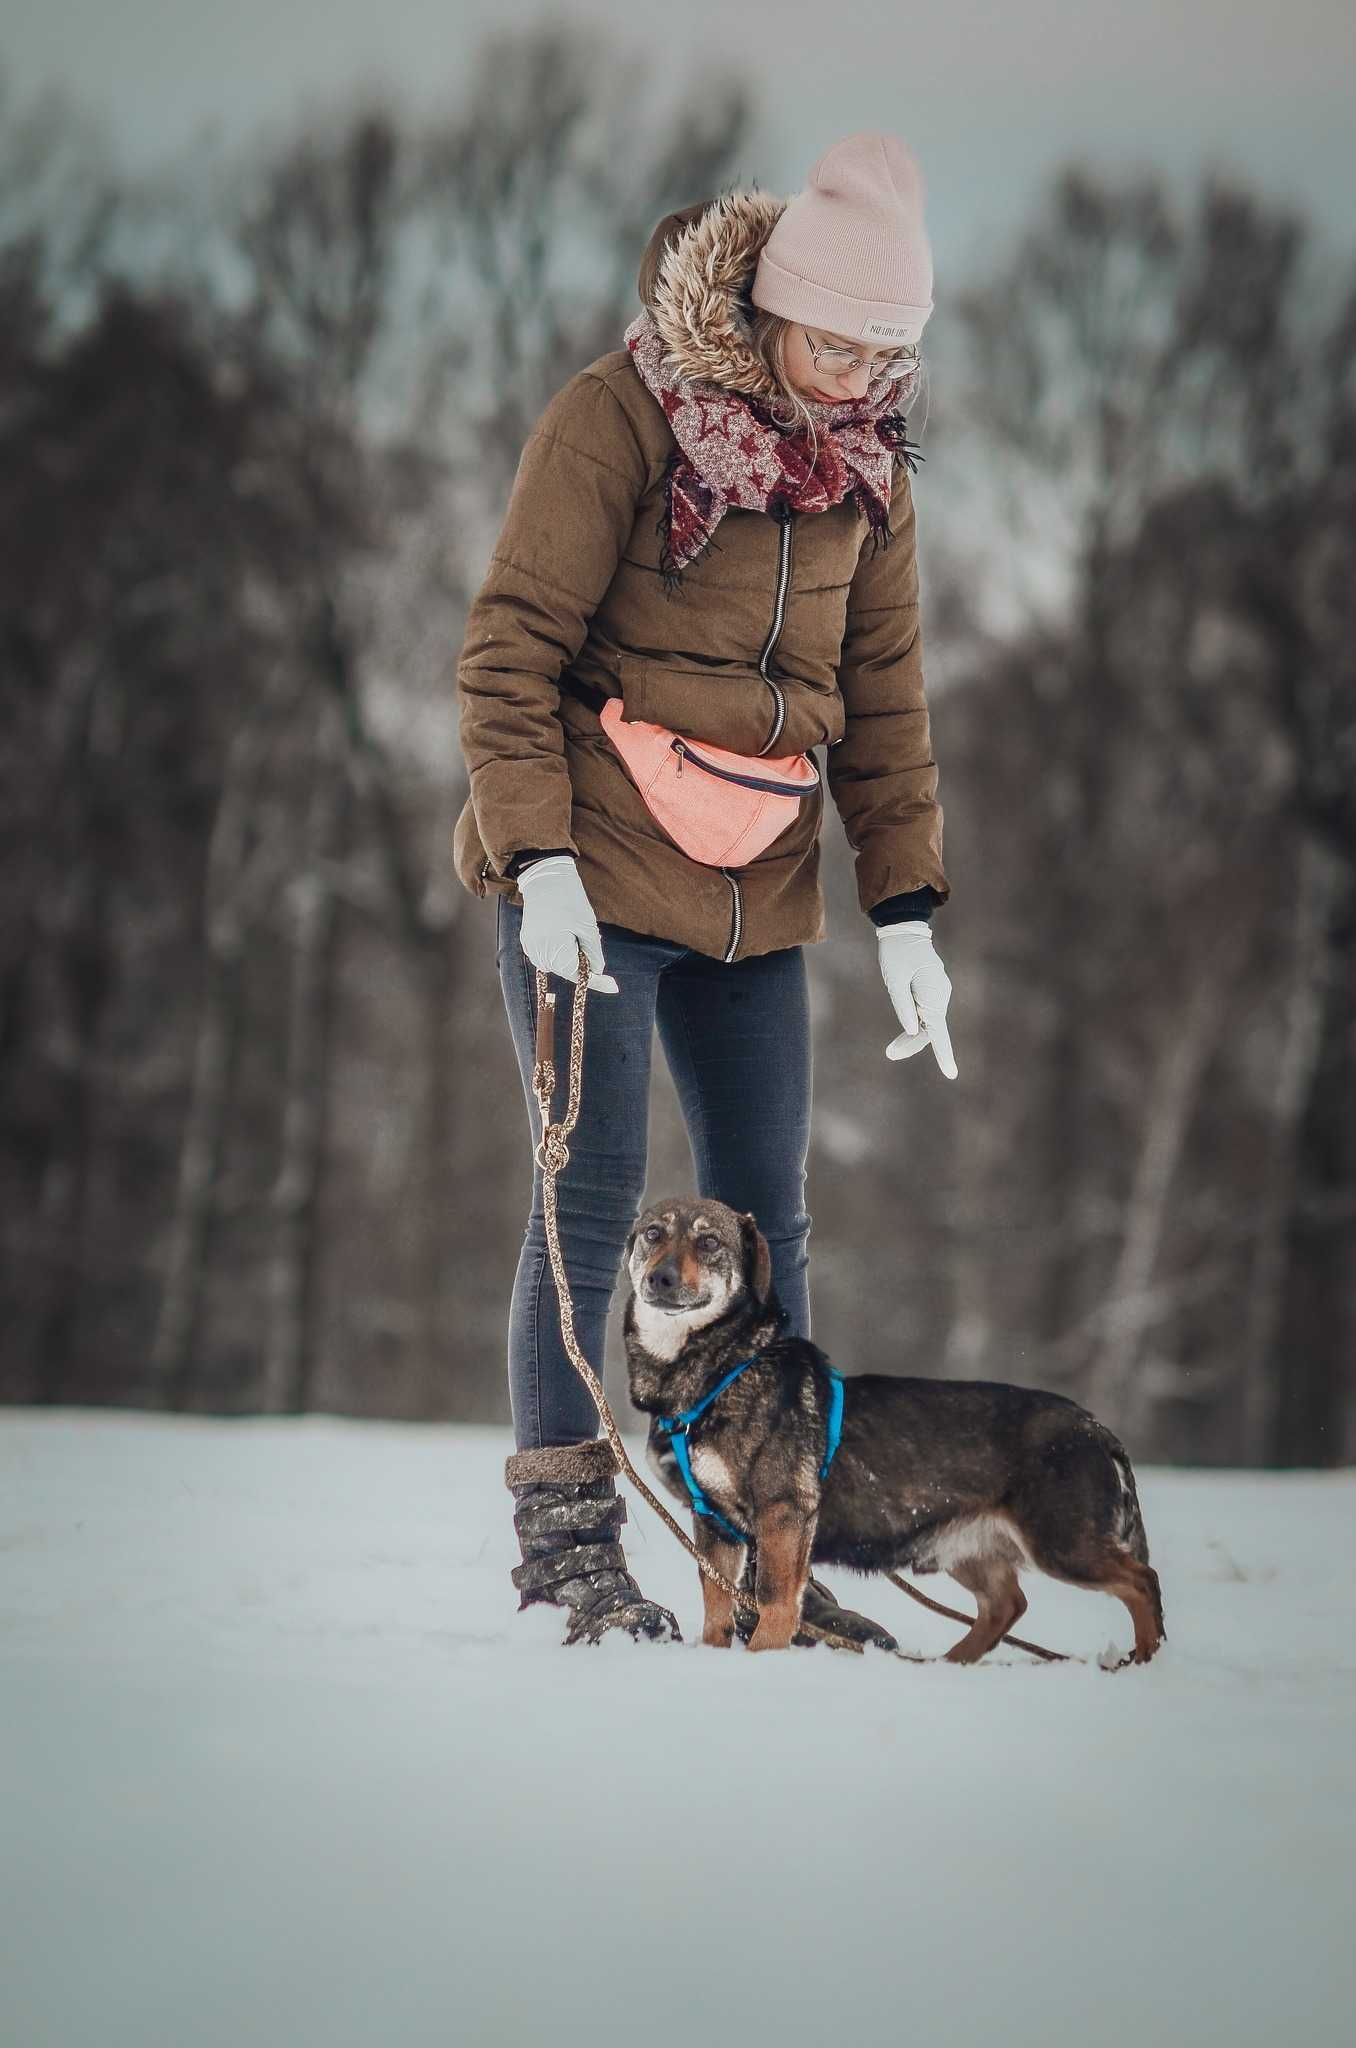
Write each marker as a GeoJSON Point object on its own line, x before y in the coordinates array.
{"type": "Point", "coordinates": [819, 1607]}
{"type": "Point", "coordinates": [567, 1516]}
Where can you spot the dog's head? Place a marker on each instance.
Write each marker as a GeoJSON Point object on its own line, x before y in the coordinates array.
{"type": "Point", "coordinates": [689, 1261]}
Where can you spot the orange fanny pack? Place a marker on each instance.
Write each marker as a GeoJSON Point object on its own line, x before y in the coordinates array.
{"type": "Point", "coordinates": [721, 808]}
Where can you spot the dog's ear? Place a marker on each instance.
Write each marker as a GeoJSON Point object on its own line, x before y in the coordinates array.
{"type": "Point", "coordinates": [757, 1259]}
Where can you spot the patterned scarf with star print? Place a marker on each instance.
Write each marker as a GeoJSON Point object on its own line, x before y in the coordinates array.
{"type": "Point", "coordinates": [730, 452]}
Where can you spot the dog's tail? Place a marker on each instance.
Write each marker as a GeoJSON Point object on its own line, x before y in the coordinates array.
{"type": "Point", "coordinates": [1129, 1525]}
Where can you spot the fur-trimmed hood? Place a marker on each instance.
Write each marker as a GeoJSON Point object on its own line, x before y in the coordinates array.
{"type": "Point", "coordinates": [695, 278]}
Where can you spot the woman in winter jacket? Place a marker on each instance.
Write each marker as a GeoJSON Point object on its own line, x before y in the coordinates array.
{"type": "Point", "coordinates": [713, 526]}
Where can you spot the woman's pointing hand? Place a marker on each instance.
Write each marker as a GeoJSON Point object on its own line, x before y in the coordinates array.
{"type": "Point", "coordinates": [920, 990]}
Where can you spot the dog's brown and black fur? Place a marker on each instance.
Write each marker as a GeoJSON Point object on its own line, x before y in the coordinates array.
{"type": "Point", "coordinates": [972, 1477]}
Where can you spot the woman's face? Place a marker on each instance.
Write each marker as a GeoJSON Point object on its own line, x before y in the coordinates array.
{"type": "Point", "coordinates": [820, 383]}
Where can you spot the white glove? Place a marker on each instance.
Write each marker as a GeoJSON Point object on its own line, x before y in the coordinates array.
{"type": "Point", "coordinates": [919, 989]}
{"type": "Point", "coordinates": [557, 919]}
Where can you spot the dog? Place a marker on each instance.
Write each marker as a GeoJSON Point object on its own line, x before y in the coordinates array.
{"type": "Point", "coordinates": [971, 1477]}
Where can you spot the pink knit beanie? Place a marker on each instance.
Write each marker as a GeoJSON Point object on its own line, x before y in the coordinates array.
{"type": "Point", "coordinates": [850, 254]}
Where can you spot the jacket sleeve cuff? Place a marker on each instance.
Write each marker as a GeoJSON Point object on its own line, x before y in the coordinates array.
{"type": "Point", "coordinates": [525, 856]}
{"type": "Point", "coordinates": [910, 903]}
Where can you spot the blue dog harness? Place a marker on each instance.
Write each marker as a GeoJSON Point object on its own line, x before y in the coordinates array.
{"type": "Point", "coordinates": [678, 1426]}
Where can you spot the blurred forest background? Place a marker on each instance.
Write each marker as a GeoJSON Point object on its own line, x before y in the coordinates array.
{"type": "Point", "coordinates": [263, 1146]}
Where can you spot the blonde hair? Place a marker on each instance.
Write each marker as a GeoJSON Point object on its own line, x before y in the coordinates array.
{"type": "Point", "coordinates": [768, 332]}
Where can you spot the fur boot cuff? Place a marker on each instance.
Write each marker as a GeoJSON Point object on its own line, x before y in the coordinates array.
{"type": "Point", "coordinates": [562, 1464]}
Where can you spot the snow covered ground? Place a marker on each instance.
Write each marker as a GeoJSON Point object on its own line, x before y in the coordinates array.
{"type": "Point", "coordinates": [281, 1765]}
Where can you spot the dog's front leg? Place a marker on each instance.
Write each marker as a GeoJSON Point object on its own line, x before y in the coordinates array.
{"type": "Point", "coordinates": [785, 1538]}
{"type": "Point", "coordinates": [727, 1557]}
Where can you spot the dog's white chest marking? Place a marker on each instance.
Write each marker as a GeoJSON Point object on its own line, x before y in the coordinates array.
{"type": "Point", "coordinates": [712, 1473]}
{"type": "Point", "coordinates": [980, 1536]}
{"type": "Point", "coordinates": [663, 1332]}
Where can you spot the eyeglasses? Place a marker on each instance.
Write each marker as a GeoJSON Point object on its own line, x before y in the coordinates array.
{"type": "Point", "coordinates": [840, 362]}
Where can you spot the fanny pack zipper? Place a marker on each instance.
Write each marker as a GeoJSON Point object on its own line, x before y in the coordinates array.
{"type": "Point", "coordinates": [684, 748]}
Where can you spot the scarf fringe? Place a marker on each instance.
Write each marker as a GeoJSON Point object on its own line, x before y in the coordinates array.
{"type": "Point", "coordinates": [877, 518]}
{"type": "Point", "coordinates": [670, 572]}
{"type": "Point", "coordinates": [893, 429]}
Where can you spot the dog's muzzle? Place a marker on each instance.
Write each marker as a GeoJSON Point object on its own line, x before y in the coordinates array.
{"type": "Point", "coordinates": [663, 1288]}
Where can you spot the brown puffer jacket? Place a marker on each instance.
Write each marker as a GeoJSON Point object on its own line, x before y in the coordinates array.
{"type": "Point", "coordinates": [798, 615]}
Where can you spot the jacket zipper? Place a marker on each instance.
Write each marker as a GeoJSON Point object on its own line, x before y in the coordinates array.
{"type": "Point", "coordinates": [775, 629]}
{"type": "Point", "coordinates": [685, 748]}
{"type": "Point", "coordinates": [736, 917]}
{"type": "Point", "coordinates": [769, 648]}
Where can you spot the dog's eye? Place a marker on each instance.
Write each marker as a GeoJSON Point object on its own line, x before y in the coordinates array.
{"type": "Point", "coordinates": [708, 1241]}
{"type": "Point", "coordinates": [652, 1233]}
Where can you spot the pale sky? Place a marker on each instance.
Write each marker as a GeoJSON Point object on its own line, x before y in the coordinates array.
{"type": "Point", "coordinates": [991, 97]}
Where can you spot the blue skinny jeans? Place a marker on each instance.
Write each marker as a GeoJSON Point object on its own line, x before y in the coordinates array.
{"type": "Point", "coordinates": [736, 1037]}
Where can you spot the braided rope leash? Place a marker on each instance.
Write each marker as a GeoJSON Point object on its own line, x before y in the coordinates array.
{"type": "Point", "coordinates": [952, 1614]}
{"type": "Point", "coordinates": [553, 1156]}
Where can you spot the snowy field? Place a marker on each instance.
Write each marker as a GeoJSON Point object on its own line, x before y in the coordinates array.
{"type": "Point", "coordinates": [282, 1767]}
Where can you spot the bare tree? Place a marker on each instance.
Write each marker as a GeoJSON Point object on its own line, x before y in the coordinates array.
{"type": "Point", "coordinates": [248, 1020]}
{"type": "Point", "coordinates": [1196, 719]}
{"type": "Point", "coordinates": [322, 429]}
